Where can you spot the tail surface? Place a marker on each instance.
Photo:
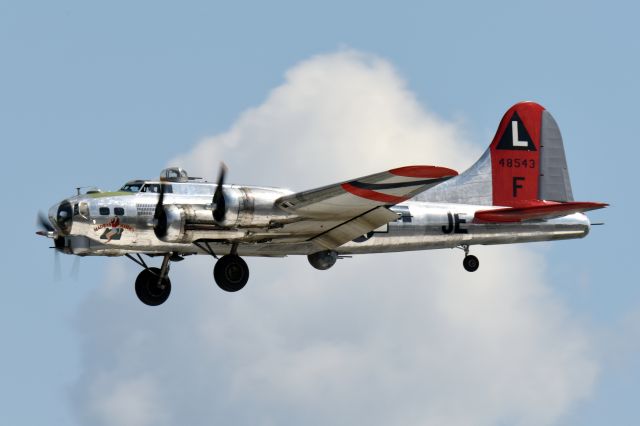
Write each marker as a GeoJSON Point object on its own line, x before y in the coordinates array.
{"type": "Point", "coordinates": [524, 163]}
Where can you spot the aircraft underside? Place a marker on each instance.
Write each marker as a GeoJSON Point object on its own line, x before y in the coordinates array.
{"type": "Point", "coordinates": [425, 232]}
{"type": "Point", "coordinates": [231, 272]}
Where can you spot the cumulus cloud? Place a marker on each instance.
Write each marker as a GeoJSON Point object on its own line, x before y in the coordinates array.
{"type": "Point", "coordinates": [335, 117]}
{"type": "Point", "coordinates": [406, 338]}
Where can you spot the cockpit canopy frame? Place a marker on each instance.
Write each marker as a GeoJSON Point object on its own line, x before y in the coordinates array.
{"type": "Point", "coordinates": [174, 174]}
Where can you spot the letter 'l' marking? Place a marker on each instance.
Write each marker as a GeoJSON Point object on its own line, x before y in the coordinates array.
{"type": "Point", "coordinates": [514, 136]}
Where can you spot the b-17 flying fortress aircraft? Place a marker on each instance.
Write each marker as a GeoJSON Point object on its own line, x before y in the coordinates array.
{"type": "Point", "coordinates": [518, 191]}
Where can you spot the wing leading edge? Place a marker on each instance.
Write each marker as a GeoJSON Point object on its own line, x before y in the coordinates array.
{"type": "Point", "coordinates": [354, 197]}
{"type": "Point", "coordinates": [360, 205]}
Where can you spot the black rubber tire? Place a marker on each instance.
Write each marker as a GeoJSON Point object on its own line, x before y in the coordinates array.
{"type": "Point", "coordinates": [231, 273]}
{"type": "Point", "coordinates": [471, 263]}
{"type": "Point", "coordinates": [148, 290]}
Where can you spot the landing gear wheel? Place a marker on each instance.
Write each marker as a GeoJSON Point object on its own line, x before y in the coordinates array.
{"type": "Point", "coordinates": [471, 263]}
{"type": "Point", "coordinates": [231, 273]}
{"type": "Point", "coordinates": [148, 288]}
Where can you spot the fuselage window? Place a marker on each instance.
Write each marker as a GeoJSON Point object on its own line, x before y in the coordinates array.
{"type": "Point", "coordinates": [104, 211]}
{"type": "Point", "coordinates": [118, 211]}
{"type": "Point", "coordinates": [84, 209]}
{"type": "Point", "coordinates": [154, 188]}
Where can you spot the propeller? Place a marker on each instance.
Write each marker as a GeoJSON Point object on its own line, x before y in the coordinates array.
{"type": "Point", "coordinates": [44, 223]}
{"type": "Point", "coordinates": [72, 273]}
{"type": "Point", "coordinates": [218, 196]}
{"type": "Point", "coordinates": [160, 216]}
{"type": "Point", "coordinates": [47, 230]}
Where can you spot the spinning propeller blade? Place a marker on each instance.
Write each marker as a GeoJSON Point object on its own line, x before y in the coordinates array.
{"type": "Point", "coordinates": [160, 216]}
{"type": "Point", "coordinates": [45, 229]}
{"type": "Point", "coordinates": [218, 196]}
{"type": "Point", "coordinates": [44, 223]}
{"type": "Point", "coordinates": [73, 273]}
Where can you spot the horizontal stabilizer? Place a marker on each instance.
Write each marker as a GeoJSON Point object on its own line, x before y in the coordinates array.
{"type": "Point", "coordinates": [535, 211]}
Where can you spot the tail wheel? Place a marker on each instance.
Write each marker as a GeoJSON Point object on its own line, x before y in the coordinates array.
{"type": "Point", "coordinates": [150, 289]}
{"type": "Point", "coordinates": [471, 263]}
{"type": "Point", "coordinates": [231, 273]}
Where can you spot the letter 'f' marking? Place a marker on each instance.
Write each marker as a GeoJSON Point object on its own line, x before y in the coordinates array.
{"type": "Point", "coordinates": [516, 185]}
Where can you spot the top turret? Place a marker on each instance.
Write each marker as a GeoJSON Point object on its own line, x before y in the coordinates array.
{"type": "Point", "coordinates": [174, 174]}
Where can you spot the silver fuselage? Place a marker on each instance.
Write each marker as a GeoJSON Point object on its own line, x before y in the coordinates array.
{"type": "Point", "coordinates": [260, 228]}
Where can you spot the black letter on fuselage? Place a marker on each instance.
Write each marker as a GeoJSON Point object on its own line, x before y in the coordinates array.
{"type": "Point", "coordinates": [448, 229]}
{"type": "Point", "coordinates": [457, 229]}
{"type": "Point", "coordinates": [454, 224]}
{"type": "Point", "coordinates": [516, 185]}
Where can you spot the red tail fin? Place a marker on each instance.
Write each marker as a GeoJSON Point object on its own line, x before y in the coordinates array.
{"type": "Point", "coordinates": [524, 163]}
{"type": "Point", "coordinates": [515, 155]}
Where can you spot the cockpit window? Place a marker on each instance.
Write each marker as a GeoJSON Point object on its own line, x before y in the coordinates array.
{"type": "Point", "coordinates": [131, 187]}
{"type": "Point", "coordinates": [154, 188]}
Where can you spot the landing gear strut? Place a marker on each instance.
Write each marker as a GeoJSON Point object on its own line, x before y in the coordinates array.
{"type": "Point", "coordinates": [470, 262]}
{"type": "Point", "coordinates": [153, 285]}
{"type": "Point", "coordinates": [231, 273]}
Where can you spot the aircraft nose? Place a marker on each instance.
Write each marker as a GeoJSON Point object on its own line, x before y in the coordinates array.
{"type": "Point", "coordinates": [61, 216]}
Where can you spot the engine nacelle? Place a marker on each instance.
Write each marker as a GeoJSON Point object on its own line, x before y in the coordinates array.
{"type": "Point", "coordinates": [245, 209]}
{"type": "Point", "coordinates": [175, 217]}
{"type": "Point", "coordinates": [250, 207]}
{"type": "Point", "coordinates": [323, 260]}
{"type": "Point", "coordinates": [183, 220]}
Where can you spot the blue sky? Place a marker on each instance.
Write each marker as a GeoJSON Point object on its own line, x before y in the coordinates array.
{"type": "Point", "coordinates": [95, 93]}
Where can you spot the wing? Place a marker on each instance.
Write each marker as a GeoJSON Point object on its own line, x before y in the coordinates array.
{"type": "Point", "coordinates": [336, 214]}
{"type": "Point", "coordinates": [354, 197]}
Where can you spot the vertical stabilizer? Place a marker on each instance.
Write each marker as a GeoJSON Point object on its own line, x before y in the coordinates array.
{"type": "Point", "coordinates": [525, 162]}
{"type": "Point", "coordinates": [515, 155]}
{"type": "Point", "coordinates": [554, 173]}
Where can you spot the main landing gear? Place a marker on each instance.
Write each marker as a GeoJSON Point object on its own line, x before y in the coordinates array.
{"type": "Point", "coordinates": [231, 273]}
{"type": "Point", "coordinates": [470, 262]}
{"type": "Point", "coordinates": [153, 285]}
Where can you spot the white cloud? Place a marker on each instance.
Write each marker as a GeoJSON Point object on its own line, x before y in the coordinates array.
{"type": "Point", "coordinates": [127, 401]}
{"type": "Point", "coordinates": [406, 339]}
{"type": "Point", "coordinates": [335, 116]}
